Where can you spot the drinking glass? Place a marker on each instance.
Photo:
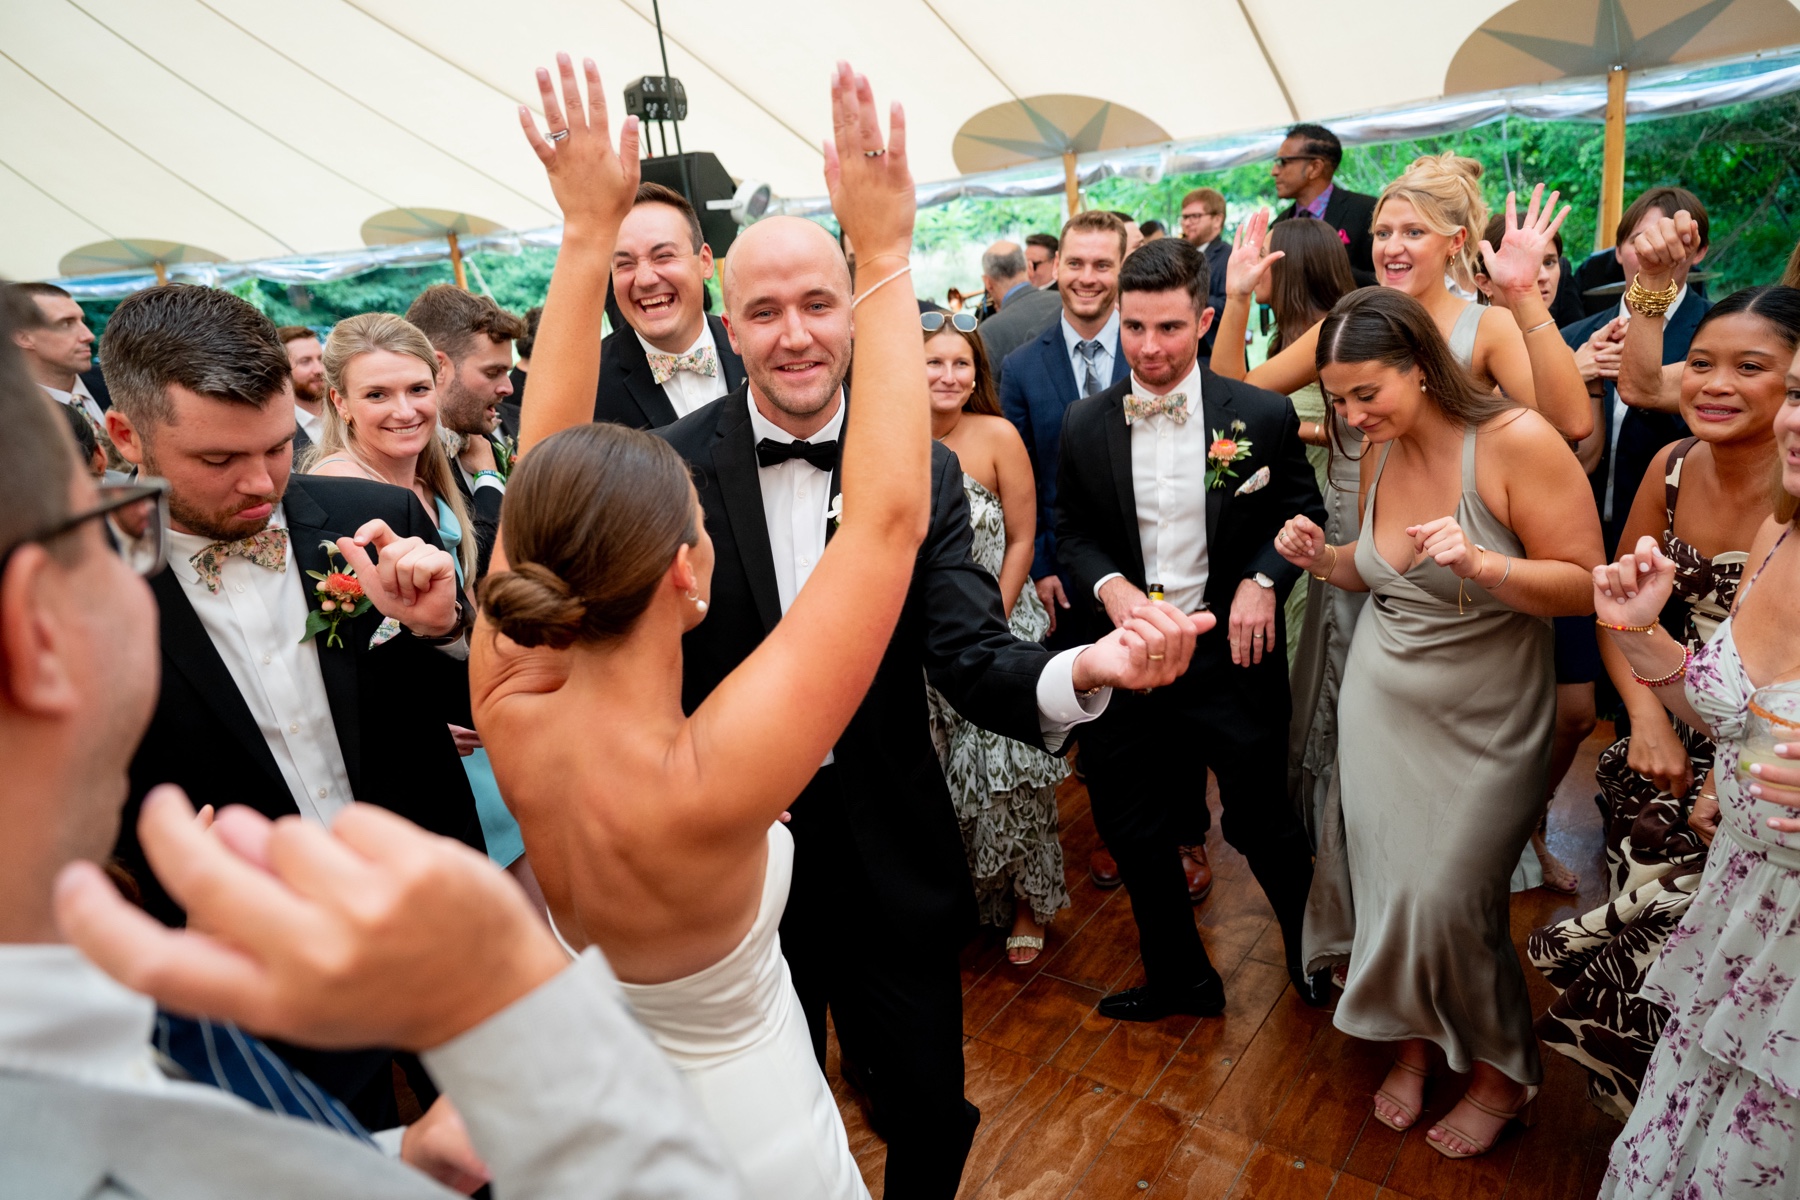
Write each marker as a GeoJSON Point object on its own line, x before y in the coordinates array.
{"type": "Point", "coordinates": [1774, 721]}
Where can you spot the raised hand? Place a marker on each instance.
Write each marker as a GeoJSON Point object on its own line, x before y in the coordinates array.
{"type": "Point", "coordinates": [1664, 248]}
{"type": "Point", "coordinates": [1301, 542]}
{"type": "Point", "coordinates": [870, 182]}
{"type": "Point", "coordinates": [593, 183]}
{"type": "Point", "coordinates": [374, 934]}
{"type": "Point", "coordinates": [414, 583]}
{"type": "Point", "coordinates": [1513, 265]}
{"type": "Point", "coordinates": [1633, 590]}
{"type": "Point", "coordinates": [1443, 542]}
{"type": "Point", "coordinates": [1249, 262]}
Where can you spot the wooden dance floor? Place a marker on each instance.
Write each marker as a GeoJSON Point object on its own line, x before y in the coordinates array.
{"type": "Point", "coordinates": [1269, 1101]}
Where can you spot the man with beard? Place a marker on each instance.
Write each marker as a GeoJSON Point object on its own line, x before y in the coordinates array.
{"type": "Point", "coordinates": [473, 339]}
{"type": "Point", "coordinates": [306, 367]}
{"type": "Point", "coordinates": [881, 900]}
{"type": "Point", "coordinates": [268, 697]}
{"type": "Point", "coordinates": [669, 357]}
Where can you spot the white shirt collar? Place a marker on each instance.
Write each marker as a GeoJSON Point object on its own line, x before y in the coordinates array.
{"type": "Point", "coordinates": [761, 427]}
{"type": "Point", "coordinates": [1669, 315]}
{"type": "Point", "coordinates": [1108, 337]}
{"type": "Point", "coordinates": [75, 395]}
{"type": "Point", "coordinates": [313, 425]}
{"type": "Point", "coordinates": [705, 339]}
{"type": "Point", "coordinates": [61, 1015]}
{"type": "Point", "coordinates": [1189, 386]}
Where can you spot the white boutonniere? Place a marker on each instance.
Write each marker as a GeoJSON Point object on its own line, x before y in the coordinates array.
{"type": "Point", "coordinates": [835, 514]}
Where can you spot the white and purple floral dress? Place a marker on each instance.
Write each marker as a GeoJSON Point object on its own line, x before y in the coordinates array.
{"type": "Point", "coordinates": [1721, 1100]}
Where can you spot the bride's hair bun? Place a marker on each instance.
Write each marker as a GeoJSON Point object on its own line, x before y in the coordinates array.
{"type": "Point", "coordinates": [532, 605]}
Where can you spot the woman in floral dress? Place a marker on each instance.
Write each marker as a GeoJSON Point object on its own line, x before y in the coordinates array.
{"type": "Point", "coordinates": [1004, 791]}
{"type": "Point", "coordinates": [1721, 1098]}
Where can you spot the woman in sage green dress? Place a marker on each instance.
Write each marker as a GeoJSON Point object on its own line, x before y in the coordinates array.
{"type": "Point", "coordinates": [1478, 527]}
{"type": "Point", "coordinates": [1004, 791]}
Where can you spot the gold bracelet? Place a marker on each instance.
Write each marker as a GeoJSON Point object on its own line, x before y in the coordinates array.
{"type": "Point", "coordinates": [1329, 571]}
{"type": "Point", "coordinates": [1646, 303]}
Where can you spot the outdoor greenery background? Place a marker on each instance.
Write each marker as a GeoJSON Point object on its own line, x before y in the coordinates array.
{"type": "Point", "coordinates": [1742, 161]}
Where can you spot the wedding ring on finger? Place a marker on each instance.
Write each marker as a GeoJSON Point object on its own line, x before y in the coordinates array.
{"type": "Point", "coordinates": [557, 135]}
{"type": "Point", "coordinates": [873, 153]}
{"type": "Point", "coordinates": [1156, 658]}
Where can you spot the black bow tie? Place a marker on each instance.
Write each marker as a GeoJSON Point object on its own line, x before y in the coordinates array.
{"type": "Point", "coordinates": [823, 455]}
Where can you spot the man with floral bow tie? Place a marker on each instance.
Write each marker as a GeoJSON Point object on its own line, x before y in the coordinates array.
{"type": "Point", "coordinates": [1172, 484]}
{"type": "Point", "coordinates": [671, 358]}
{"type": "Point", "coordinates": [282, 689]}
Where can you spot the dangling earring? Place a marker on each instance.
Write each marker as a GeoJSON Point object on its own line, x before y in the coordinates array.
{"type": "Point", "coordinates": [699, 604]}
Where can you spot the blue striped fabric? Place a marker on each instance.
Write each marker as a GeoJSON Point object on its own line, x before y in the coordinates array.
{"type": "Point", "coordinates": [221, 1055]}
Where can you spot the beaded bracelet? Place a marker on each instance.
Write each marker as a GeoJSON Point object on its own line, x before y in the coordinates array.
{"type": "Point", "coordinates": [907, 269]}
{"type": "Point", "coordinates": [1647, 303]}
{"type": "Point", "coordinates": [1675, 676]}
{"type": "Point", "coordinates": [1650, 628]}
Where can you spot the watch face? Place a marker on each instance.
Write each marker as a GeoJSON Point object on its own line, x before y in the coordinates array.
{"type": "Point", "coordinates": [1263, 580]}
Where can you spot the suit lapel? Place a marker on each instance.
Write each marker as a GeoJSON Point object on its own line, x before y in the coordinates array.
{"type": "Point", "coordinates": [651, 400]}
{"type": "Point", "coordinates": [1118, 458]}
{"type": "Point", "coordinates": [734, 462]}
{"type": "Point", "coordinates": [1062, 371]}
{"type": "Point", "coordinates": [188, 648]}
{"type": "Point", "coordinates": [307, 529]}
{"type": "Point", "coordinates": [1216, 413]}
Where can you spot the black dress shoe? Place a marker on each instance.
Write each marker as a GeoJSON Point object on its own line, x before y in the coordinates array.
{"type": "Point", "coordinates": [1203, 999]}
{"type": "Point", "coordinates": [1314, 989]}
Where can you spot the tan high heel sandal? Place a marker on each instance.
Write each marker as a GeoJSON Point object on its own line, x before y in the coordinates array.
{"type": "Point", "coordinates": [1525, 1115]}
{"type": "Point", "coordinates": [1412, 1114]}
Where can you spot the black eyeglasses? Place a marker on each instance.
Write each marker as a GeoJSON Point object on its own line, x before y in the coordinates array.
{"type": "Point", "coordinates": [1282, 160]}
{"type": "Point", "coordinates": [933, 321]}
{"type": "Point", "coordinates": [137, 520]}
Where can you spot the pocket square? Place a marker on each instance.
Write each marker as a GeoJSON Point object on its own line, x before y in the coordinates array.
{"type": "Point", "coordinates": [1255, 483]}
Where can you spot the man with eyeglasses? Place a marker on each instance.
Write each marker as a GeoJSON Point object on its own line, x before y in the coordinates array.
{"type": "Point", "coordinates": [1203, 228]}
{"type": "Point", "coordinates": [1303, 171]}
{"type": "Point", "coordinates": [672, 357]}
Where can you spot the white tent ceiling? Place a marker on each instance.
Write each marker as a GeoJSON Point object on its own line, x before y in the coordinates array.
{"type": "Point", "coordinates": [258, 128]}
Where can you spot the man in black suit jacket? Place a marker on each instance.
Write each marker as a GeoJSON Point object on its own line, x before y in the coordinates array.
{"type": "Point", "coordinates": [1303, 171]}
{"type": "Point", "coordinates": [1203, 228]}
{"type": "Point", "coordinates": [1632, 436]}
{"type": "Point", "coordinates": [669, 357]}
{"type": "Point", "coordinates": [306, 367]}
{"type": "Point", "coordinates": [1145, 506]}
{"type": "Point", "coordinates": [881, 900]}
{"type": "Point", "coordinates": [251, 711]}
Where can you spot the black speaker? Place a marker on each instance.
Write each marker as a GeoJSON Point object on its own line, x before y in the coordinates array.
{"type": "Point", "coordinates": [706, 175]}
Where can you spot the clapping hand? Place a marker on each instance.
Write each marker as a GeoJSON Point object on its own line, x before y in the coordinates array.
{"type": "Point", "coordinates": [1151, 648]}
{"type": "Point", "coordinates": [1513, 265]}
{"type": "Point", "coordinates": [1664, 247]}
{"type": "Point", "coordinates": [1633, 590]}
{"type": "Point", "coordinates": [1301, 542]}
{"type": "Point", "coordinates": [870, 183]}
{"type": "Point", "coordinates": [594, 185]}
{"type": "Point", "coordinates": [374, 934]}
{"type": "Point", "coordinates": [414, 583]}
{"type": "Point", "coordinates": [1442, 541]}
{"type": "Point", "coordinates": [1249, 262]}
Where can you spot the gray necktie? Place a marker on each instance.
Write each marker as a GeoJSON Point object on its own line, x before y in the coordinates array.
{"type": "Point", "coordinates": [1089, 350]}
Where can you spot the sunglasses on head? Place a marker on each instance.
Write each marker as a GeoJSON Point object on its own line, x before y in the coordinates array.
{"type": "Point", "coordinates": [934, 320]}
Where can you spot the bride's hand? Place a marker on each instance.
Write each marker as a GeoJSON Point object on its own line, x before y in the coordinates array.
{"type": "Point", "coordinates": [870, 183]}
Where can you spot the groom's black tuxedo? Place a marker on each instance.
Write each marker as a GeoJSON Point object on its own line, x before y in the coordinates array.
{"type": "Point", "coordinates": [1147, 756]}
{"type": "Point", "coordinates": [881, 899]}
{"type": "Point", "coordinates": [391, 707]}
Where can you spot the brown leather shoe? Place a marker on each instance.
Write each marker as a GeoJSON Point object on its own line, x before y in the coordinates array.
{"type": "Point", "coordinates": [1102, 869]}
{"type": "Point", "coordinates": [1198, 871]}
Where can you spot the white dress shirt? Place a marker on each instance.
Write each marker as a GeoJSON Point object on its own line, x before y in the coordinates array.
{"type": "Point", "coordinates": [796, 498]}
{"type": "Point", "coordinates": [61, 1015]}
{"type": "Point", "coordinates": [687, 390]}
{"type": "Point", "coordinates": [255, 620]}
{"type": "Point", "coordinates": [80, 398]}
{"type": "Point", "coordinates": [1620, 408]}
{"type": "Point", "coordinates": [312, 425]}
{"type": "Point", "coordinates": [1168, 477]}
{"type": "Point", "coordinates": [1108, 337]}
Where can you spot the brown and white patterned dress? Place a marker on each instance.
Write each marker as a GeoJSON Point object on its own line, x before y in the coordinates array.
{"type": "Point", "coordinates": [1598, 960]}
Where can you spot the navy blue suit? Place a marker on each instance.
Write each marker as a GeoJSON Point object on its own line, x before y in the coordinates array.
{"type": "Point", "coordinates": [1037, 385]}
{"type": "Point", "coordinates": [1643, 431]}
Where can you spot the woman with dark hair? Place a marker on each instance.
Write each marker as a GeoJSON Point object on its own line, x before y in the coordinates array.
{"type": "Point", "coordinates": [1721, 1097]}
{"type": "Point", "coordinates": [1477, 528]}
{"type": "Point", "coordinates": [1004, 791]}
{"type": "Point", "coordinates": [655, 834]}
{"type": "Point", "coordinates": [1713, 501]}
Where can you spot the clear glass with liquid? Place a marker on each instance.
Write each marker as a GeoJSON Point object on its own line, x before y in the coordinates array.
{"type": "Point", "coordinates": [1774, 721]}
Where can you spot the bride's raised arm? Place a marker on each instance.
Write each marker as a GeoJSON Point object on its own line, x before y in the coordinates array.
{"type": "Point", "coordinates": [763, 732]}
{"type": "Point", "coordinates": [594, 186]}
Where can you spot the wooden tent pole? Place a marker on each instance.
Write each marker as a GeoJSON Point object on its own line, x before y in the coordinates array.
{"type": "Point", "coordinates": [1072, 182]}
{"type": "Point", "coordinates": [162, 273]}
{"type": "Point", "coordinates": [1612, 175]}
{"type": "Point", "coordinates": [456, 262]}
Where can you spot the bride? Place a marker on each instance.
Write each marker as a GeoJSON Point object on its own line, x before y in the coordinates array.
{"type": "Point", "coordinates": [656, 835]}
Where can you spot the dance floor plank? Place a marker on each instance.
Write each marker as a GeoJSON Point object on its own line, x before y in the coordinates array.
{"type": "Point", "coordinates": [1074, 1105]}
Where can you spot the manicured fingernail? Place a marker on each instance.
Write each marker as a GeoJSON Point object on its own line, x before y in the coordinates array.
{"type": "Point", "coordinates": [1756, 769]}
{"type": "Point", "coordinates": [1755, 789]}
{"type": "Point", "coordinates": [1784, 749]}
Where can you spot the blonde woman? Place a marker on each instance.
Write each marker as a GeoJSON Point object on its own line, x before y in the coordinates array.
{"type": "Point", "coordinates": [1427, 231]}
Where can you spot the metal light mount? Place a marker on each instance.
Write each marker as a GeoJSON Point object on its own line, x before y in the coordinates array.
{"type": "Point", "coordinates": [748, 204]}
{"type": "Point", "coordinates": [657, 98]}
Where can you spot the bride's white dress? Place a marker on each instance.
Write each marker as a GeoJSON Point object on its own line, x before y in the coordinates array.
{"type": "Point", "coordinates": [736, 1033]}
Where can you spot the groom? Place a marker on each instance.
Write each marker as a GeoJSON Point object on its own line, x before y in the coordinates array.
{"type": "Point", "coordinates": [881, 901]}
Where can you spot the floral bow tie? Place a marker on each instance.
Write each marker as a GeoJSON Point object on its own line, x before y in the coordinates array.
{"type": "Point", "coordinates": [1174, 406]}
{"type": "Point", "coordinates": [700, 362]}
{"type": "Point", "coordinates": [266, 549]}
